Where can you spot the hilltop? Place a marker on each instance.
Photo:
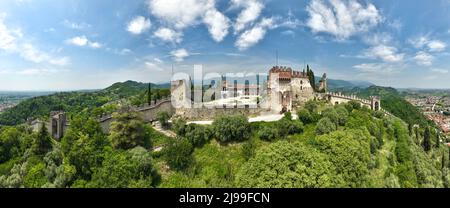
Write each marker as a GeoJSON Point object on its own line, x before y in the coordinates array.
{"type": "Point", "coordinates": [76, 101]}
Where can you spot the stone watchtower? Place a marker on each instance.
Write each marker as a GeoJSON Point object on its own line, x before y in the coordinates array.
{"type": "Point", "coordinates": [323, 83]}
{"type": "Point", "coordinates": [57, 124]}
{"type": "Point", "coordinates": [375, 103]}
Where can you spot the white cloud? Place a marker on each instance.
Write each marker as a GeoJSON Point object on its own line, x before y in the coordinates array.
{"type": "Point", "coordinates": [342, 18]}
{"type": "Point", "coordinates": [288, 33]}
{"type": "Point", "coordinates": [252, 10]}
{"type": "Point", "coordinates": [64, 61]}
{"type": "Point", "coordinates": [78, 41]}
{"type": "Point", "coordinates": [432, 45]}
{"type": "Point", "coordinates": [125, 51]}
{"type": "Point", "coordinates": [179, 55]}
{"type": "Point", "coordinates": [373, 68]}
{"type": "Point", "coordinates": [179, 14]}
{"type": "Point", "coordinates": [385, 53]}
{"type": "Point", "coordinates": [8, 36]}
{"type": "Point", "coordinates": [153, 66]}
{"type": "Point", "coordinates": [217, 24]}
{"type": "Point", "coordinates": [424, 58]}
{"type": "Point", "coordinates": [378, 72]}
{"type": "Point", "coordinates": [441, 71]}
{"type": "Point", "coordinates": [11, 41]}
{"type": "Point", "coordinates": [436, 46]}
{"type": "Point", "coordinates": [252, 36]}
{"type": "Point", "coordinates": [76, 26]}
{"type": "Point", "coordinates": [159, 61]}
{"type": "Point", "coordinates": [168, 35]}
{"type": "Point", "coordinates": [30, 53]}
{"type": "Point", "coordinates": [83, 41]}
{"type": "Point", "coordinates": [38, 71]}
{"type": "Point", "coordinates": [95, 45]}
{"type": "Point", "coordinates": [138, 25]}
{"type": "Point", "coordinates": [378, 39]}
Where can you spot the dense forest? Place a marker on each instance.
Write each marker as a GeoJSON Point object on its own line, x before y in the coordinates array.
{"type": "Point", "coordinates": [394, 102]}
{"type": "Point", "coordinates": [346, 145]}
{"type": "Point", "coordinates": [89, 103]}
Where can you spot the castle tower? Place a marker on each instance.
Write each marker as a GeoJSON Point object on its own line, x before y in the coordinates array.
{"type": "Point", "coordinates": [323, 83]}
{"type": "Point", "coordinates": [375, 103]}
{"type": "Point", "coordinates": [57, 124]}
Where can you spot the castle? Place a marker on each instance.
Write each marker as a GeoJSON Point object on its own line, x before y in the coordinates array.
{"type": "Point", "coordinates": [284, 90]}
{"type": "Point", "coordinates": [288, 88]}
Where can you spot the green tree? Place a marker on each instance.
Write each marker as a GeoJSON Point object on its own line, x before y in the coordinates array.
{"type": "Point", "coordinates": [353, 105]}
{"type": "Point", "coordinates": [311, 106]}
{"type": "Point", "coordinates": [125, 169]}
{"type": "Point", "coordinates": [42, 142]}
{"type": "Point", "coordinates": [287, 165]}
{"type": "Point", "coordinates": [332, 115]}
{"type": "Point", "coordinates": [427, 140]}
{"type": "Point", "coordinates": [178, 154]}
{"type": "Point", "coordinates": [35, 178]}
{"type": "Point", "coordinates": [438, 141]}
{"type": "Point", "coordinates": [163, 118]}
{"type": "Point", "coordinates": [198, 135]}
{"type": "Point", "coordinates": [268, 133]}
{"type": "Point", "coordinates": [349, 152]}
{"type": "Point", "coordinates": [179, 126]}
{"type": "Point", "coordinates": [342, 115]}
{"type": "Point", "coordinates": [231, 128]}
{"type": "Point", "coordinates": [311, 77]}
{"type": "Point", "coordinates": [128, 131]}
{"type": "Point", "coordinates": [149, 94]}
{"type": "Point", "coordinates": [305, 116]}
{"type": "Point", "coordinates": [325, 126]}
{"type": "Point", "coordinates": [9, 144]}
{"type": "Point", "coordinates": [289, 127]}
{"type": "Point", "coordinates": [248, 149]}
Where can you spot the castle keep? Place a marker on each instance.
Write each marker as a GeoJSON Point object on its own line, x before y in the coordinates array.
{"type": "Point", "coordinates": [288, 88]}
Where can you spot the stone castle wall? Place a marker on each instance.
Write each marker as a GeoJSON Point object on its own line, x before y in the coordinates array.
{"type": "Point", "coordinates": [196, 114]}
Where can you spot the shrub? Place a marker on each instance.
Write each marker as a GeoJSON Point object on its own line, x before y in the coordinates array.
{"type": "Point", "coordinates": [248, 149]}
{"type": "Point", "coordinates": [129, 131]}
{"type": "Point", "coordinates": [289, 127]}
{"type": "Point", "coordinates": [268, 133]}
{"type": "Point", "coordinates": [332, 115]}
{"type": "Point", "coordinates": [231, 128]}
{"type": "Point", "coordinates": [342, 115]}
{"type": "Point", "coordinates": [197, 135]}
{"type": "Point", "coordinates": [305, 116]}
{"type": "Point", "coordinates": [163, 118]}
{"type": "Point", "coordinates": [179, 126]}
{"type": "Point", "coordinates": [325, 126]}
{"type": "Point", "coordinates": [178, 154]}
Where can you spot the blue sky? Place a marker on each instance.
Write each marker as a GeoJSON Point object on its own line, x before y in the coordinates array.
{"type": "Point", "coordinates": [85, 44]}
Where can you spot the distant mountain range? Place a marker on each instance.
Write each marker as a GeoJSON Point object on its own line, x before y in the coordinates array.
{"type": "Point", "coordinates": [336, 85]}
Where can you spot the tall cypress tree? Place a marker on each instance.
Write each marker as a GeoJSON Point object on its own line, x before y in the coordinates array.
{"type": "Point", "coordinates": [438, 140]}
{"type": "Point", "coordinates": [410, 129]}
{"type": "Point", "coordinates": [149, 94]}
{"type": "Point", "coordinates": [311, 77]}
{"type": "Point", "coordinates": [426, 139]}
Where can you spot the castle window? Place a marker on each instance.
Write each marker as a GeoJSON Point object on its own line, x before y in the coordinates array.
{"type": "Point", "coordinates": [296, 96]}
